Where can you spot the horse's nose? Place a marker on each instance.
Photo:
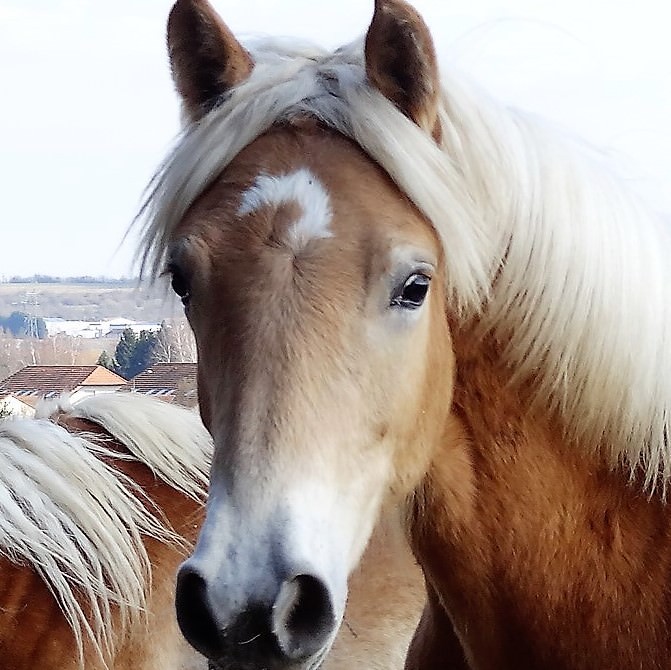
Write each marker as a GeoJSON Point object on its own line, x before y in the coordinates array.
{"type": "Point", "coordinates": [293, 627]}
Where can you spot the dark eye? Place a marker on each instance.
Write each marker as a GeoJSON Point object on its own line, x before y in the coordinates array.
{"type": "Point", "coordinates": [413, 292]}
{"type": "Point", "coordinates": [179, 284]}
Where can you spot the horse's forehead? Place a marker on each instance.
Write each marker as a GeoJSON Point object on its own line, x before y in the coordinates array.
{"type": "Point", "coordinates": [318, 183]}
{"type": "Point", "coordinates": [312, 199]}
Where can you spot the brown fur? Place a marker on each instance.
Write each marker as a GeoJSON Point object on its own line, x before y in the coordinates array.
{"type": "Point", "coordinates": [549, 560]}
{"type": "Point", "coordinates": [241, 270]}
{"type": "Point", "coordinates": [34, 634]}
{"type": "Point", "coordinates": [386, 596]}
{"type": "Point", "coordinates": [252, 273]}
{"type": "Point", "coordinates": [435, 645]}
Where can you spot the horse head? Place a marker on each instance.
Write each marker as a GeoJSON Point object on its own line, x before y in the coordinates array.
{"type": "Point", "coordinates": [316, 292]}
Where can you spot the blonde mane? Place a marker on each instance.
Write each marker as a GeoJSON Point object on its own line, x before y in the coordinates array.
{"type": "Point", "coordinates": [80, 523]}
{"type": "Point", "coordinates": [170, 440]}
{"type": "Point", "coordinates": [544, 244]}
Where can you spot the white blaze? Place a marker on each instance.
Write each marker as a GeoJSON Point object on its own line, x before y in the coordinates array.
{"type": "Point", "coordinates": [301, 187]}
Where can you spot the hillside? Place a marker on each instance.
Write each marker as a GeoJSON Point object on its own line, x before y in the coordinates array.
{"type": "Point", "coordinates": [89, 301]}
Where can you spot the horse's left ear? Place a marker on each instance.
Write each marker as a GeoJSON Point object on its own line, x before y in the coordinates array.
{"type": "Point", "coordinates": [205, 58]}
{"type": "Point", "coordinates": [401, 62]}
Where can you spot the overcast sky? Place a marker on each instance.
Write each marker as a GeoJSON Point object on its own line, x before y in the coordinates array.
{"type": "Point", "coordinates": [87, 109]}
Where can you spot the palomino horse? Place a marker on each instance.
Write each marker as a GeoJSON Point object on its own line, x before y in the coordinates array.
{"type": "Point", "coordinates": [404, 291]}
{"type": "Point", "coordinates": [97, 509]}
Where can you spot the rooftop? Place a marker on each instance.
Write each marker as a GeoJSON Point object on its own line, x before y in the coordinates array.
{"type": "Point", "coordinates": [51, 380]}
{"type": "Point", "coordinates": [163, 379]}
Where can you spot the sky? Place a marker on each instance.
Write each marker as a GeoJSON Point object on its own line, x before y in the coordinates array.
{"type": "Point", "coordinates": [87, 108]}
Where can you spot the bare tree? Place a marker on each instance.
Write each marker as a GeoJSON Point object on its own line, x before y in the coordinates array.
{"type": "Point", "coordinates": [16, 353]}
{"type": "Point", "coordinates": [176, 343]}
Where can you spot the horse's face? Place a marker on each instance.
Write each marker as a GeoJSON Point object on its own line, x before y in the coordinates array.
{"type": "Point", "coordinates": [315, 292]}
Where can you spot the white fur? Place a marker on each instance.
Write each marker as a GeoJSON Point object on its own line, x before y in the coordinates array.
{"type": "Point", "coordinates": [544, 244]}
{"type": "Point", "coordinates": [79, 522]}
{"type": "Point", "coordinates": [300, 187]}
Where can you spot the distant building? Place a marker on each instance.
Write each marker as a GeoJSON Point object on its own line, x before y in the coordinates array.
{"type": "Point", "coordinates": [115, 327]}
{"type": "Point", "coordinates": [84, 329]}
{"type": "Point", "coordinates": [50, 381]}
{"type": "Point", "coordinates": [17, 406]}
{"type": "Point", "coordinates": [95, 329]}
{"type": "Point", "coordinates": [172, 382]}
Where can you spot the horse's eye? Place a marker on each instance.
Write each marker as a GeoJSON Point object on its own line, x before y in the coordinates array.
{"type": "Point", "coordinates": [179, 284]}
{"type": "Point", "coordinates": [413, 292]}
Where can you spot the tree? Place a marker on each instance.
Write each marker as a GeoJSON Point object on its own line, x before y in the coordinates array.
{"type": "Point", "coordinates": [106, 361]}
{"type": "Point", "coordinates": [175, 343]}
{"type": "Point", "coordinates": [14, 354]}
{"type": "Point", "coordinates": [15, 324]}
{"type": "Point", "coordinates": [123, 354]}
{"type": "Point", "coordinates": [144, 353]}
{"type": "Point", "coordinates": [36, 327]}
{"type": "Point", "coordinates": [61, 349]}
{"type": "Point", "coordinates": [134, 354]}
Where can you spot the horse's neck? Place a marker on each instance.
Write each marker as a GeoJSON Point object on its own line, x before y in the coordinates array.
{"type": "Point", "coordinates": [30, 616]}
{"type": "Point", "coordinates": [522, 534]}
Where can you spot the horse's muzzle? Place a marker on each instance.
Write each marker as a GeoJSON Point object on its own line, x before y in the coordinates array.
{"type": "Point", "coordinates": [286, 631]}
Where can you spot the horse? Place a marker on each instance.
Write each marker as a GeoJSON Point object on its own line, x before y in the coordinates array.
{"type": "Point", "coordinates": [99, 503]}
{"type": "Point", "coordinates": [405, 293]}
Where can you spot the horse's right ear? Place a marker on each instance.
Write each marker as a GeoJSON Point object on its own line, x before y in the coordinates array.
{"type": "Point", "coordinates": [205, 58]}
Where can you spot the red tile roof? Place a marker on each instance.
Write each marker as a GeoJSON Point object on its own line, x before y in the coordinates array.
{"type": "Point", "coordinates": [43, 380]}
{"type": "Point", "coordinates": [165, 378]}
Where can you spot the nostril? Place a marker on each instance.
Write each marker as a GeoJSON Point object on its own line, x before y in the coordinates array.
{"type": "Point", "coordinates": [303, 616]}
{"type": "Point", "coordinates": [312, 610]}
{"type": "Point", "coordinates": [194, 615]}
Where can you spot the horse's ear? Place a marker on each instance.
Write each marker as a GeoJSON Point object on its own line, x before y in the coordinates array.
{"type": "Point", "coordinates": [205, 58]}
{"type": "Point", "coordinates": [401, 62]}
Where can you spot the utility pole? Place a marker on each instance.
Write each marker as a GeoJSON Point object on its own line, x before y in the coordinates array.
{"type": "Point", "coordinates": [30, 302]}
